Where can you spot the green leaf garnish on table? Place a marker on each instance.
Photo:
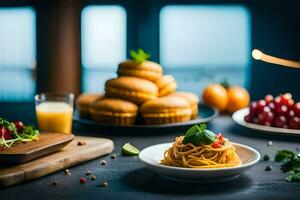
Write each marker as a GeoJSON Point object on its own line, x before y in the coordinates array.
{"type": "Point", "coordinates": [199, 135]}
{"type": "Point", "coordinates": [139, 56]}
{"type": "Point", "coordinates": [130, 150]}
{"type": "Point", "coordinates": [283, 155]}
{"type": "Point", "coordinates": [293, 177]}
{"type": "Point", "coordinates": [290, 164]}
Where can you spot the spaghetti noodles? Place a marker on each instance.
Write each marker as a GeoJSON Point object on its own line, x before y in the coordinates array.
{"type": "Point", "coordinates": [201, 156]}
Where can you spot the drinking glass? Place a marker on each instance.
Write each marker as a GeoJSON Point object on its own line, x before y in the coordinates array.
{"type": "Point", "coordinates": [54, 112]}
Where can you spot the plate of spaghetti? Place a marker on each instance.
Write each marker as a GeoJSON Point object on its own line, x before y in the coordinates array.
{"type": "Point", "coordinates": [200, 156]}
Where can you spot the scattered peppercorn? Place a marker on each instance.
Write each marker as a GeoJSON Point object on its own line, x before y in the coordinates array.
{"type": "Point", "coordinates": [93, 177]}
{"type": "Point", "coordinates": [270, 143]}
{"type": "Point", "coordinates": [88, 173]}
{"type": "Point", "coordinates": [268, 168]}
{"type": "Point", "coordinates": [80, 143]}
{"type": "Point", "coordinates": [54, 182]}
{"type": "Point", "coordinates": [113, 156]}
{"type": "Point", "coordinates": [103, 162]}
{"type": "Point", "coordinates": [82, 180]}
{"type": "Point", "coordinates": [103, 184]}
{"type": "Point", "coordinates": [266, 157]}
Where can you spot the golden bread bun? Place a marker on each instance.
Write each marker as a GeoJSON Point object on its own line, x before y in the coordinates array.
{"type": "Point", "coordinates": [164, 110]}
{"type": "Point", "coordinates": [84, 101]}
{"type": "Point", "coordinates": [133, 89]}
{"type": "Point", "coordinates": [166, 85]}
{"type": "Point", "coordinates": [191, 98]}
{"type": "Point", "coordinates": [113, 111]}
{"type": "Point", "coordinates": [146, 70]}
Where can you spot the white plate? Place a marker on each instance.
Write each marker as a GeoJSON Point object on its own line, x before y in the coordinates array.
{"type": "Point", "coordinates": [239, 115]}
{"type": "Point", "coordinates": [152, 156]}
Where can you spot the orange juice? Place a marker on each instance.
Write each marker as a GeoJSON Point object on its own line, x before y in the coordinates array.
{"type": "Point", "coordinates": [54, 116]}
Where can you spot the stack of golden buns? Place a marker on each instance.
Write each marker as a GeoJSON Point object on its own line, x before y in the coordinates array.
{"type": "Point", "coordinates": [141, 88]}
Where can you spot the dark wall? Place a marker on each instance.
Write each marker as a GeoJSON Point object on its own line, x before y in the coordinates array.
{"type": "Point", "coordinates": [275, 31]}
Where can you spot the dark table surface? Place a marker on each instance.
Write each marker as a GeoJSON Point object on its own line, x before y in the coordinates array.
{"type": "Point", "coordinates": [127, 177]}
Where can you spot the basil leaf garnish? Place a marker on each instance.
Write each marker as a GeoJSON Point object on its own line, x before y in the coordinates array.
{"type": "Point", "coordinates": [198, 135]}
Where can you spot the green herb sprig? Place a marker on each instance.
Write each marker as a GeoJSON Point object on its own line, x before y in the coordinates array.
{"type": "Point", "coordinates": [139, 56]}
{"type": "Point", "coordinates": [199, 135]}
{"type": "Point", "coordinates": [290, 164]}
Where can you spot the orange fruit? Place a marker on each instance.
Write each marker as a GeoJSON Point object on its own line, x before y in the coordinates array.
{"type": "Point", "coordinates": [215, 95]}
{"type": "Point", "coordinates": [238, 98]}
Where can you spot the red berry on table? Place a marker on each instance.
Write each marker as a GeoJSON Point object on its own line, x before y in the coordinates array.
{"type": "Point", "coordinates": [294, 123]}
{"type": "Point", "coordinates": [82, 180]}
{"type": "Point", "coordinates": [296, 108]}
{"type": "Point", "coordinates": [268, 98]}
{"type": "Point", "coordinates": [280, 121]}
{"type": "Point", "coordinates": [281, 110]}
{"type": "Point", "coordinates": [5, 133]}
{"type": "Point", "coordinates": [261, 104]}
{"type": "Point", "coordinates": [20, 126]}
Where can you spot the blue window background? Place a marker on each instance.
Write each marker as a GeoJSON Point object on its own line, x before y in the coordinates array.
{"type": "Point", "coordinates": [17, 53]}
{"type": "Point", "coordinates": [103, 33]}
{"type": "Point", "coordinates": [200, 44]}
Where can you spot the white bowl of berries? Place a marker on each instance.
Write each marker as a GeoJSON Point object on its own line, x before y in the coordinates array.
{"type": "Point", "coordinates": [277, 115]}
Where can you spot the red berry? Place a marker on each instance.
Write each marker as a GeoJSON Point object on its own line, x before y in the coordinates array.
{"type": "Point", "coordinates": [253, 108]}
{"type": "Point", "coordinates": [281, 110]}
{"type": "Point", "coordinates": [290, 113]}
{"type": "Point", "coordinates": [271, 105]}
{"type": "Point", "coordinates": [248, 118]}
{"type": "Point", "coordinates": [268, 98]}
{"type": "Point", "coordinates": [255, 120]}
{"type": "Point", "coordinates": [266, 123]}
{"type": "Point", "coordinates": [20, 126]}
{"type": "Point", "coordinates": [277, 101]}
{"type": "Point", "coordinates": [266, 109]}
{"type": "Point", "coordinates": [82, 180]}
{"type": "Point", "coordinates": [286, 98]}
{"type": "Point", "coordinates": [265, 117]}
{"type": "Point", "coordinates": [296, 108]}
{"type": "Point", "coordinates": [290, 103]}
{"type": "Point", "coordinates": [5, 133]}
{"type": "Point", "coordinates": [280, 121]}
{"type": "Point", "coordinates": [269, 116]}
{"type": "Point", "coordinates": [294, 123]}
{"type": "Point", "coordinates": [261, 104]}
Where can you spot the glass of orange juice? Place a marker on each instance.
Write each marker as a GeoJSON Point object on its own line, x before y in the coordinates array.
{"type": "Point", "coordinates": [54, 112]}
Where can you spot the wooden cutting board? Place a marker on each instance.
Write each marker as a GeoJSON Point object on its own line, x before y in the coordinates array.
{"type": "Point", "coordinates": [70, 155]}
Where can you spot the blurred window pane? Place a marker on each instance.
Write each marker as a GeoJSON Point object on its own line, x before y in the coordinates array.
{"type": "Point", "coordinates": [17, 53]}
{"type": "Point", "coordinates": [212, 41]}
{"type": "Point", "coordinates": [103, 44]}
